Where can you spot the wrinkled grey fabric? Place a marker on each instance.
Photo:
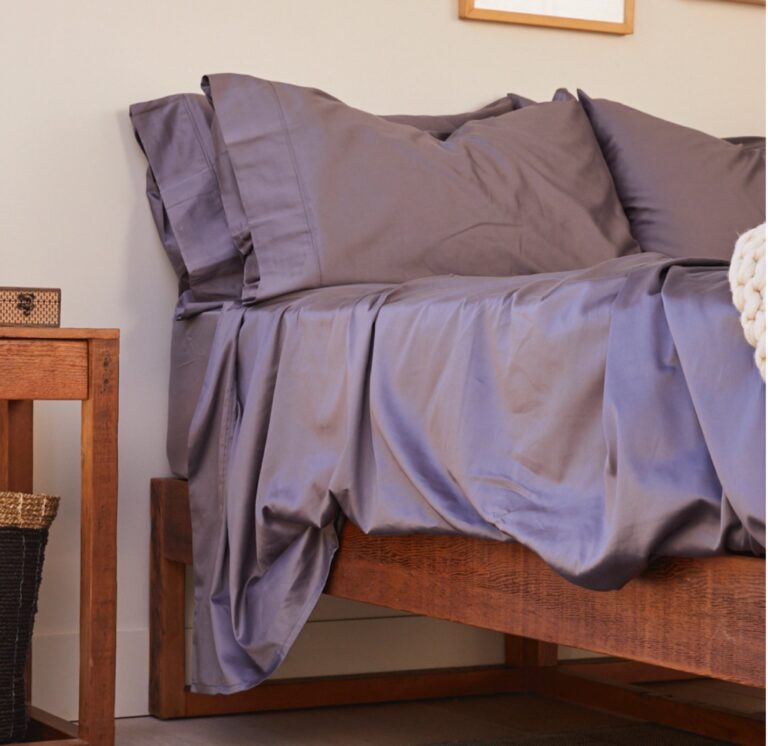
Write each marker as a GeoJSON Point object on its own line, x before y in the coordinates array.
{"type": "Point", "coordinates": [193, 194]}
{"type": "Point", "coordinates": [334, 195]}
{"type": "Point", "coordinates": [602, 417]}
{"type": "Point", "coordinates": [183, 191]}
{"type": "Point", "coordinates": [191, 340]}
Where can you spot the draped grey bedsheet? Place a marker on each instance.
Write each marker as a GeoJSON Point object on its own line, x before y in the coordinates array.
{"type": "Point", "coordinates": [601, 417]}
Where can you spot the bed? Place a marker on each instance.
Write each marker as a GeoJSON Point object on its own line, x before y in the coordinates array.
{"type": "Point", "coordinates": [396, 382]}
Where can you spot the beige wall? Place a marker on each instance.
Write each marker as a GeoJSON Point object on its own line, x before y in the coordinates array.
{"type": "Point", "coordinates": [73, 215]}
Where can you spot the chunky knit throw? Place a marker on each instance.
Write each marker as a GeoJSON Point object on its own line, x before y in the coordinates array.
{"type": "Point", "coordinates": [747, 278]}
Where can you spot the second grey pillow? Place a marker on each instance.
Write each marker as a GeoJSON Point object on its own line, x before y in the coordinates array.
{"type": "Point", "coordinates": [686, 193]}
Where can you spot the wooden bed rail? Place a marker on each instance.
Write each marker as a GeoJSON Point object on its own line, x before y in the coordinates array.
{"type": "Point", "coordinates": [682, 619]}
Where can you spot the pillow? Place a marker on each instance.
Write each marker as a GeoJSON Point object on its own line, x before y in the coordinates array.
{"type": "Point", "coordinates": [686, 193]}
{"type": "Point", "coordinates": [183, 193]}
{"type": "Point", "coordinates": [561, 94]}
{"type": "Point", "coordinates": [197, 209]}
{"type": "Point", "coordinates": [334, 195]}
{"type": "Point", "coordinates": [749, 141]}
{"type": "Point", "coordinates": [439, 126]}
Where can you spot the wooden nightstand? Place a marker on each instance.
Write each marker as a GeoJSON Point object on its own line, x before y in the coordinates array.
{"type": "Point", "coordinates": [75, 364]}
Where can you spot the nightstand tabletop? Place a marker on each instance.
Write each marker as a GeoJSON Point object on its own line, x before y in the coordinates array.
{"type": "Point", "coordinates": [45, 332]}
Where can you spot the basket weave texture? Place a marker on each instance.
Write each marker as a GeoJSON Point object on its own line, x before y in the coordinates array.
{"type": "Point", "coordinates": [24, 522]}
{"type": "Point", "coordinates": [21, 510]}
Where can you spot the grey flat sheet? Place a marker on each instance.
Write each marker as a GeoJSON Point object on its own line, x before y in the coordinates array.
{"type": "Point", "coordinates": [602, 417]}
{"type": "Point", "coordinates": [191, 341]}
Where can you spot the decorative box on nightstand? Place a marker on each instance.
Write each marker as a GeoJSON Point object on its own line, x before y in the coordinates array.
{"type": "Point", "coordinates": [40, 307]}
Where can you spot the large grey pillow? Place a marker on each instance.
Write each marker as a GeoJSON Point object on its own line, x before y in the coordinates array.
{"type": "Point", "coordinates": [439, 126]}
{"type": "Point", "coordinates": [335, 195]}
{"type": "Point", "coordinates": [686, 193]}
{"type": "Point", "coordinates": [196, 206]}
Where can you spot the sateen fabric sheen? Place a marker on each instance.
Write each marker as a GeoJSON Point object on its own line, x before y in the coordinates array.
{"type": "Point", "coordinates": [686, 193]}
{"type": "Point", "coordinates": [602, 417]}
{"type": "Point", "coordinates": [194, 198]}
{"type": "Point", "coordinates": [334, 195]}
{"type": "Point", "coordinates": [183, 192]}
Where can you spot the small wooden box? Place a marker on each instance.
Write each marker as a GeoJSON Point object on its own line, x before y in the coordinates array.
{"type": "Point", "coordinates": [30, 306]}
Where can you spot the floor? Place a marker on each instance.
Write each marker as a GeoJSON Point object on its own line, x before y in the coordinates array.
{"type": "Point", "coordinates": [478, 721]}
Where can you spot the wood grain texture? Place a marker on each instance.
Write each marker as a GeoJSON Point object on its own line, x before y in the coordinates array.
{"type": "Point", "coordinates": [98, 545]}
{"type": "Point", "coordinates": [5, 440]}
{"type": "Point", "coordinates": [634, 701]}
{"type": "Point", "coordinates": [706, 616]}
{"type": "Point", "coordinates": [167, 696]}
{"type": "Point", "coordinates": [697, 616]}
{"type": "Point", "coordinates": [20, 332]}
{"type": "Point", "coordinates": [16, 436]}
{"type": "Point", "coordinates": [346, 690]}
{"type": "Point", "coordinates": [623, 671]}
{"type": "Point", "coordinates": [172, 498]}
{"type": "Point", "coordinates": [43, 369]}
{"type": "Point", "coordinates": [73, 364]}
{"type": "Point", "coordinates": [703, 616]}
{"type": "Point", "coordinates": [527, 653]}
{"type": "Point", "coordinates": [467, 10]}
{"type": "Point", "coordinates": [170, 698]}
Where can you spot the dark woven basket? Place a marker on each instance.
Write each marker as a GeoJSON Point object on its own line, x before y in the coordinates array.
{"type": "Point", "coordinates": [24, 522]}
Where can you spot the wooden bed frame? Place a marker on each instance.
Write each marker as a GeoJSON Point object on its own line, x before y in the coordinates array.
{"type": "Point", "coordinates": [683, 619]}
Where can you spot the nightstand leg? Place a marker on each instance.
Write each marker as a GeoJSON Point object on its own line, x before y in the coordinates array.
{"type": "Point", "coordinates": [16, 435]}
{"type": "Point", "coordinates": [98, 549]}
{"type": "Point", "coordinates": [16, 446]}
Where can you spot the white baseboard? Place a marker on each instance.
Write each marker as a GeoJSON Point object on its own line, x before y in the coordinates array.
{"type": "Point", "coordinates": [339, 648]}
{"type": "Point", "coordinates": [324, 648]}
{"type": "Point", "coordinates": [56, 665]}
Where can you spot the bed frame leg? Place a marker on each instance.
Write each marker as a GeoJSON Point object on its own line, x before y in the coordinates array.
{"type": "Point", "coordinates": [523, 652]}
{"type": "Point", "coordinates": [166, 614]}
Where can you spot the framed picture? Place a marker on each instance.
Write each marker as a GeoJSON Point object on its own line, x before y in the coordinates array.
{"type": "Point", "coordinates": [608, 16]}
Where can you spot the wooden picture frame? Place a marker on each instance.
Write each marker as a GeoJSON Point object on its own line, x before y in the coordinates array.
{"type": "Point", "coordinates": [613, 20]}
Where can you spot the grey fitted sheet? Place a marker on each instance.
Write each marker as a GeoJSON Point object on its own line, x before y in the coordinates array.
{"type": "Point", "coordinates": [602, 417]}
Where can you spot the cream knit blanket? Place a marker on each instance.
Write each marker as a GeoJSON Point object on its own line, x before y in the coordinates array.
{"type": "Point", "coordinates": [747, 278]}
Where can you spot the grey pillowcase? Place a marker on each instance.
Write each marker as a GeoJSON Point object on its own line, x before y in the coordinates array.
{"type": "Point", "coordinates": [183, 192]}
{"type": "Point", "coordinates": [686, 193]}
{"type": "Point", "coordinates": [561, 94]}
{"type": "Point", "coordinates": [197, 207]}
{"type": "Point", "coordinates": [439, 126]}
{"type": "Point", "coordinates": [334, 195]}
{"type": "Point", "coordinates": [442, 126]}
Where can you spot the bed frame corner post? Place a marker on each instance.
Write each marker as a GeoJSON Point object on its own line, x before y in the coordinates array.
{"type": "Point", "coordinates": [531, 656]}
{"type": "Point", "coordinates": [167, 695]}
